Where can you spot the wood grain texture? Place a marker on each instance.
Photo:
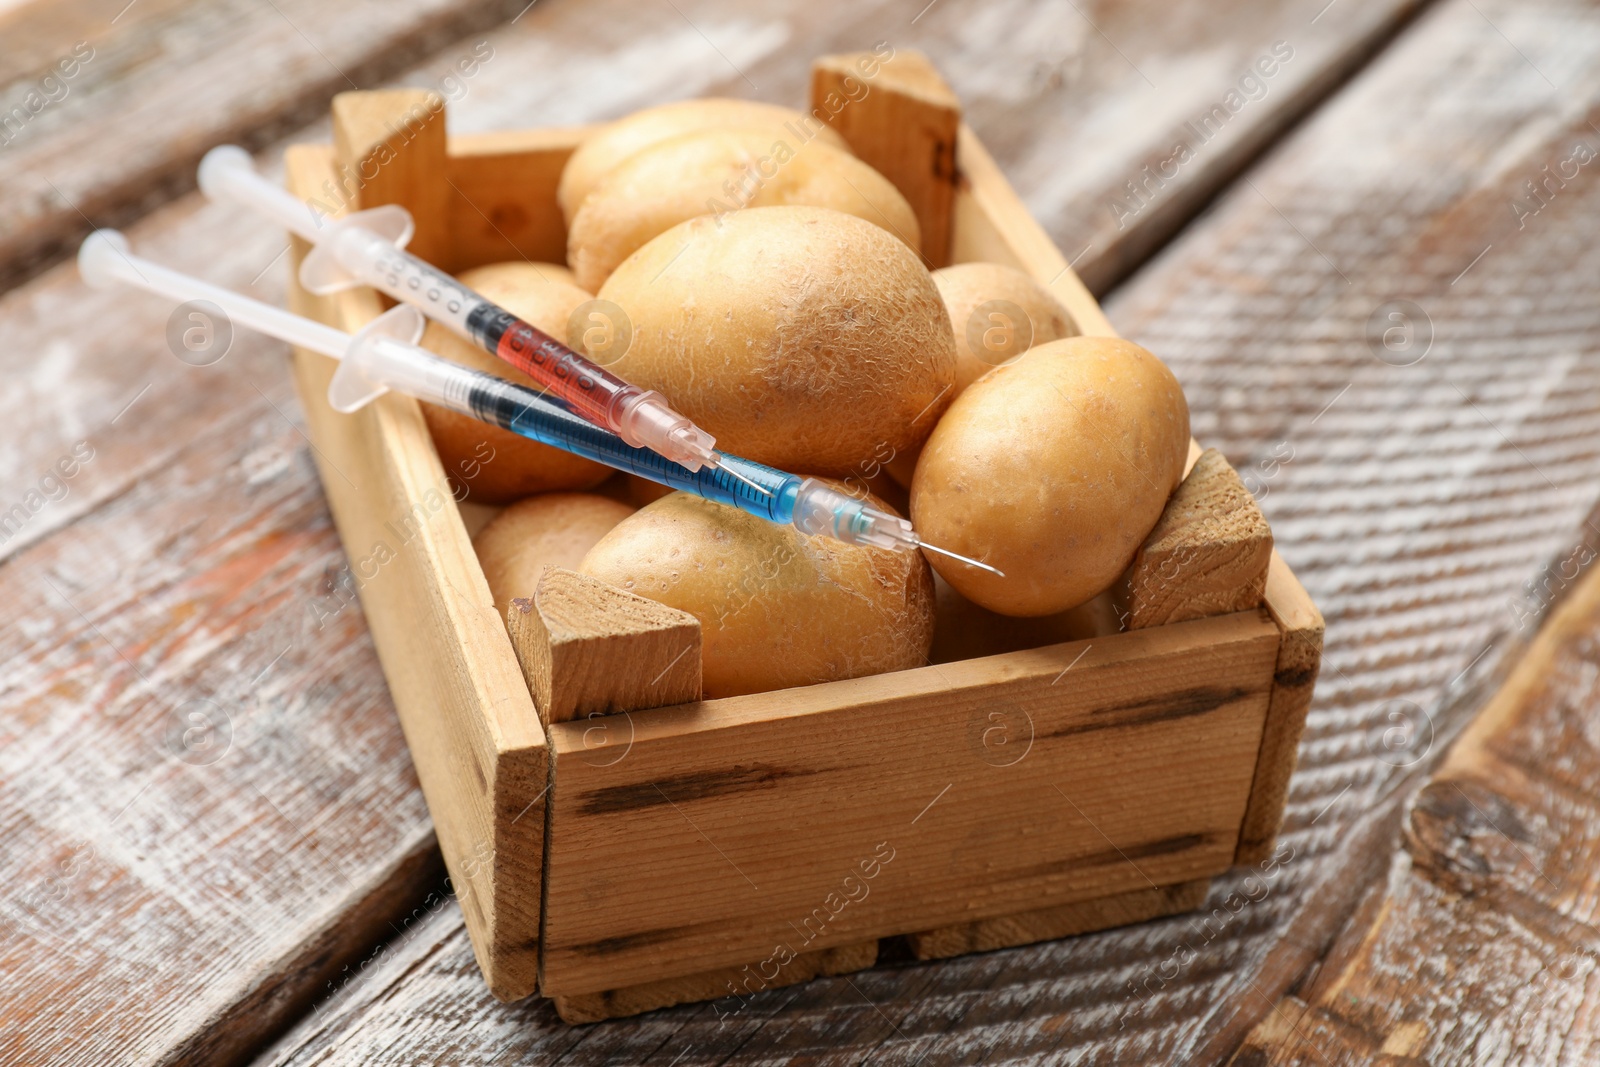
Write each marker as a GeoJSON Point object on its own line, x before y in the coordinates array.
{"type": "Point", "coordinates": [735, 982]}
{"type": "Point", "coordinates": [1483, 945]}
{"type": "Point", "coordinates": [1063, 920]}
{"type": "Point", "coordinates": [62, 388]}
{"type": "Point", "coordinates": [202, 793]}
{"type": "Point", "coordinates": [1301, 632]}
{"type": "Point", "coordinates": [488, 173]}
{"type": "Point", "coordinates": [588, 648]}
{"type": "Point", "coordinates": [1407, 514]}
{"type": "Point", "coordinates": [1411, 483]}
{"type": "Point", "coordinates": [907, 132]}
{"type": "Point", "coordinates": [1207, 555]}
{"type": "Point", "coordinates": [469, 720]}
{"type": "Point", "coordinates": [389, 148]}
{"type": "Point", "coordinates": [167, 79]}
{"type": "Point", "coordinates": [1013, 65]}
{"type": "Point", "coordinates": [731, 830]}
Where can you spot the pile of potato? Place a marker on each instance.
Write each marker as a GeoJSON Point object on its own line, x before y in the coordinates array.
{"type": "Point", "coordinates": [776, 294]}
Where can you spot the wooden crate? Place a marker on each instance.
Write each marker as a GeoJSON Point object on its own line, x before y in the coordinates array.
{"type": "Point", "coordinates": [634, 846]}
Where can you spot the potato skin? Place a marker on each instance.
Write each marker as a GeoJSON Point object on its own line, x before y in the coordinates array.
{"type": "Point", "coordinates": [491, 465]}
{"type": "Point", "coordinates": [1053, 468]}
{"type": "Point", "coordinates": [603, 150]}
{"type": "Point", "coordinates": [800, 337]}
{"type": "Point", "coordinates": [547, 530]}
{"type": "Point", "coordinates": [967, 286]}
{"type": "Point", "coordinates": [716, 172]}
{"type": "Point", "coordinates": [776, 608]}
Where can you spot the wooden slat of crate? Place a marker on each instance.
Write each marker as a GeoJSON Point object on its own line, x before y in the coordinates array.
{"type": "Point", "coordinates": [1207, 556]}
{"type": "Point", "coordinates": [490, 175]}
{"type": "Point", "coordinates": [726, 823]}
{"type": "Point", "coordinates": [469, 720]}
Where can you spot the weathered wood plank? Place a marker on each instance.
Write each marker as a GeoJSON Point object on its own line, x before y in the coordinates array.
{"type": "Point", "coordinates": [1004, 103]}
{"type": "Point", "coordinates": [1301, 629]}
{"type": "Point", "coordinates": [154, 84]}
{"type": "Point", "coordinates": [715, 985]}
{"type": "Point", "coordinates": [1484, 943]}
{"type": "Point", "coordinates": [204, 796]}
{"type": "Point", "coordinates": [1406, 512]}
{"type": "Point", "coordinates": [1408, 477]}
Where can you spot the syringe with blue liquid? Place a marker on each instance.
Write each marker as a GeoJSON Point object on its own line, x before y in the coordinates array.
{"type": "Point", "coordinates": [384, 356]}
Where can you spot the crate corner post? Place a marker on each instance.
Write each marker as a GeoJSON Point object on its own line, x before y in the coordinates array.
{"type": "Point", "coordinates": [896, 113]}
{"type": "Point", "coordinates": [391, 149]}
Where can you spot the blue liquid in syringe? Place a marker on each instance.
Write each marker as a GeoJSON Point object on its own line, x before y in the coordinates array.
{"type": "Point", "coordinates": [506, 404]}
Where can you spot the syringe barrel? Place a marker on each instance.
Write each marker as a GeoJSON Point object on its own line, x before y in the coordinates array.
{"type": "Point", "coordinates": [523, 411]}
{"type": "Point", "coordinates": [811, 506]}
{"type": "Point", "coordinates": [416, 372]}
{"type": "Point", "coordinates": [586, 388]}
{"type": "Point", "coordinates": [397, 273]}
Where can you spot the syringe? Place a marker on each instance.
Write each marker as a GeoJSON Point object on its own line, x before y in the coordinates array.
{"type": "Point", "coordinates": [384, 356]}
{"type": "Point", "coordinates": [366, 248]}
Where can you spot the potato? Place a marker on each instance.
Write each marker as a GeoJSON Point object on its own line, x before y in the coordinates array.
{"type": "Point", "coordinates": [800, 337]}
{"type": "Point", "coordinates": [1002, 312]}
{"type": "Point", "coordinates": [975, 295]}
{"type": "Point", "coordinates": [716, 172]}
{"type": "Point", "coordinates": [776, 608]}
{"type": "Point", "coordinates": [494, 465]}
{"type": "Point", "coordinates": [1054, 469]}
{"type": "Point", "coordinates": [602, 150]}
{"type": "Point", "coordinates": [548, 530]}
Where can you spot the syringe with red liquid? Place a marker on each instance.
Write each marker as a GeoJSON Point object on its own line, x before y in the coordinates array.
{"type": "Point", "coordinates": [366, 248]}
{"type": "Point", "coordinates": [384, 356]}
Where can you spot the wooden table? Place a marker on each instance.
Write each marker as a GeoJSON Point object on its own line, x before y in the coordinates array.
{"type": "Point", "coordinates": [269, 890]}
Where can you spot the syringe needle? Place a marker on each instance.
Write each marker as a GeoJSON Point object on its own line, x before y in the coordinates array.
{"type": "Point", "coordinates": [997, 572]}
{"type": "Point", "coordinates": [763, 490]}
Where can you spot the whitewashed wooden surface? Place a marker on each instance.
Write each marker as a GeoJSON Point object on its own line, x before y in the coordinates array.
{"type": "Point", "coordinates": [161, 81]}
{"type": "Point", "coordinates": [195, 544]}
{"type": "Point", "coordinates": [1414, 512]}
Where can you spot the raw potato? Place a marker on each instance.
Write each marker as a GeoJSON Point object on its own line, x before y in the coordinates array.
{"type": "Point", "coordinates": [1054, 469]}
{"type": "Point", "coordinates": [799, 337]}
{"type": "Point", "coordinates": [603, 150]}
{"type": "Point", "coordinates": [494, 465]}
{"type": "Point", "coordinates": [967, 287]}
{"type": "Point", "coordinates": [776, 608]}
{"type": "Point", "coordinates": [548, 530]}
{"type": "Point", "coordinates": [716, 172]}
